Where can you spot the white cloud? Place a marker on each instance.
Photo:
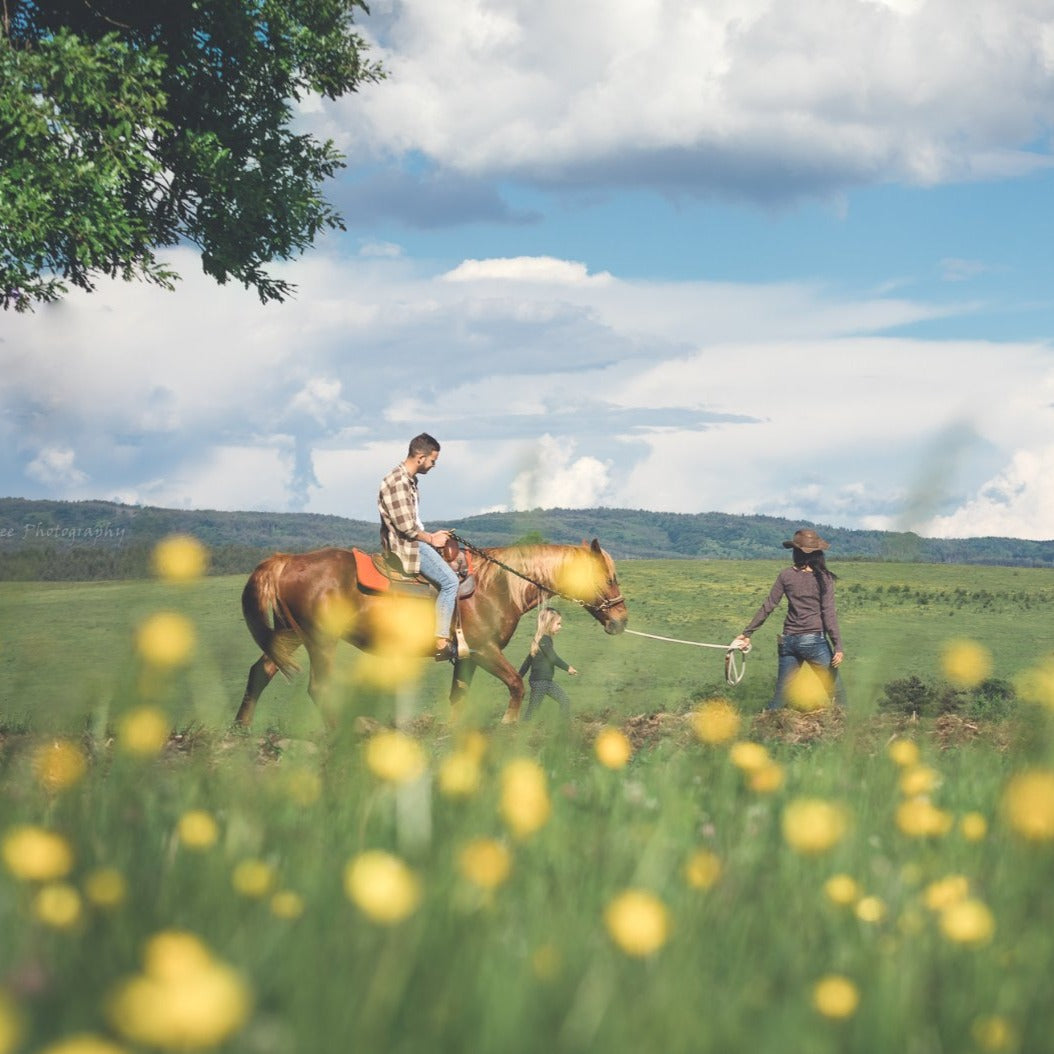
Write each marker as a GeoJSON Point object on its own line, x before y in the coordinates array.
{"type": "Point", "coordinates": [557, 479]}
{"type": "Point", "coordinates": [526, 269]}
{"type": "Point", "coordinates": [743, 96]}
{"type": "Point", "coordinates": [54, 466]}
{"type": "Point", "coordinates": [320, 399]}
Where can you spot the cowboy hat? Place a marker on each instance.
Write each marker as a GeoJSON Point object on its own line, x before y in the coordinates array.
{"type": "Point", "coordinates": [808, 541]}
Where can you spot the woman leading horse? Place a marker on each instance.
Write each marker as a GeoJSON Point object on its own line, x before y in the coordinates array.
{"type": "Point", "coordinates": [314, 599]}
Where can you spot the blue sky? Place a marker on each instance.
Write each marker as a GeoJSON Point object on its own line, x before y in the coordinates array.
{"type": "Point", "coordinates": [685, 255]}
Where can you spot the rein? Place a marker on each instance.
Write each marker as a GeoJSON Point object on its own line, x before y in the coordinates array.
{"type": "Point", "coordinates": [735, 654]}
{"type": "Point", "coordinates": [603, 605]}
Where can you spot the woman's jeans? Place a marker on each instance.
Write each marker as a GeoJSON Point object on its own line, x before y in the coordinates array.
{"type": "Point", "coordinates": [443, 577]}
{"type": "Point", "coordinates": [796, 649]}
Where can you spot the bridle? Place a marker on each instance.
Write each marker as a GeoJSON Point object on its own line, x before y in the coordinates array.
{"type": "Point", "coordinates": [597, 607]}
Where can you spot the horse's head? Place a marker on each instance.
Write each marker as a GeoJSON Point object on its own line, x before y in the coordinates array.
{"type": "Point", "coordinates": [604, 600]}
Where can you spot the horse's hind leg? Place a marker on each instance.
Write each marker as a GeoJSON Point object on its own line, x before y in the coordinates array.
{"type": "Point", "coordinates": [321, 656]}
{"type": "Point", "coordinates": [260, 674]}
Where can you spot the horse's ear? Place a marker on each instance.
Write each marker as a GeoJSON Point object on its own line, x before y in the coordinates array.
{"type": "Point", "coordinates": [595, 546]}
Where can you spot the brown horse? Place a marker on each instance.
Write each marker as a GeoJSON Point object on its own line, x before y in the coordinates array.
{"type": "Point", "coordinates": [314, 599]}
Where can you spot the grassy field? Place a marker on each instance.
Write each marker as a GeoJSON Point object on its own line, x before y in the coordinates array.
{"type": "Point", "coordinates": [857, 883]}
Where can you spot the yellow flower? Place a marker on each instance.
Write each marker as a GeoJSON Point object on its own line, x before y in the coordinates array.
{"type": "Point", "coordinates": [525, 804]}
{"type": "Point", "coordinates": [580, 577]}
{"type": "Point", "coordinates": [967, 922]}
{"type": "Point", "coordinates": [1028, 803]}
{"type": "Point", "coordinates": [105, 887]}
{"type": "Point", "coordinates": [57, 905]}
{"type": "Point", "coordinates": [613, 748]}
{"type": "Point", "coordinates": [703, 869]}
{"type": "Point", "coordinates": [395, 757]}
{"type": "Point", "coordinates": [459, 775]}
{"type": "Point", "coordinates": [35, 854]}
{"type": "Point", "coordinates": [473, 743]}
{"type": "Point", "coordinates": [180, 558]}
{"type": "Point", "coordinates": [716, 721]}
{"type": "Point", "coordinates": [382, 886]}
{"type": "Point", "coordinates": [870, 909]}
{"type": "Point", "coordinates": [10, 1024]}
{"type": "Point", "coordinates": [82, 1043]}
{"type": "Point", "coordinates": [973, 826]}
{"type": "Point", "coordinates": [809, 689]}
{"type": "Point", "coordinates": [966, 663]}
{"type": "Point", "coordinates": [546, 962]}
{"type": "Point", "coordinates": [638, 922]}
{"type": "Point", "coordinates": [812, 825]}
{"type": "Point", "coordinates": [920, 818]}
{"type": "Point", "coordinates": [143, 731]}
{"type": "Point", "coordinates": [185, 999]}
{"type": "Point", "coordinates": [59, 764]}
{"type": "Point", "coordinates": [1037, 684]}
{"type": "Point", "coordinates": [766, 780]}
{"type": "Point", "coordinates": [748, 756]}
{"type": "Point", "coordinates": [166, 639]}
{"type": "Point", "coordinates": [835, 996]}
{"type": "Point", "coordinates": [485, 862]}
{"type": "Point", "coordinates": [287, 904]}
{"type": "Point", "coordinates": [946, 891]}
{"type": "Point", "coordinates": [197, 829]}
{"type": "Point", "coordinates": [253, 878]}
{"type": "Point", "coordinates": [918, 779]}
{"type": "Point", "coordinates": [994, 1032]}
{"type": "Point", "coordinates": [303, 785]}
{"type": "Point", "coordinates": [904, 752]}
{"type": "Point", "coordinates": [842, 889]}
{"type": "Point", "coordinates": [337, 615]}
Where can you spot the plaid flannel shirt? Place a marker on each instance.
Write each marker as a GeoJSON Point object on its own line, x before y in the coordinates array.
{"type": "Point", "coordinates": [400, 520]}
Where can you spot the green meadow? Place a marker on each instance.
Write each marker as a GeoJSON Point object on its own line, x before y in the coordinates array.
{"type": "Point", "coordinates": [862, 882]}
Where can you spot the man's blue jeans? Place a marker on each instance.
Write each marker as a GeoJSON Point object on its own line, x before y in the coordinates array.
{"type": "Point", "coordinates": [443, 577]}
{"type": "Point", "coordinates": [796, 649]}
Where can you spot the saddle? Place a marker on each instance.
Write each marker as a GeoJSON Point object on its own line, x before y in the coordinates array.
{"type": "Point", "coordinates": [382, 573]}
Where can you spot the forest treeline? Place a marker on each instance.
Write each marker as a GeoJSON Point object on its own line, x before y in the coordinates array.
{"type": "Point", "coordinates": [88, 540]}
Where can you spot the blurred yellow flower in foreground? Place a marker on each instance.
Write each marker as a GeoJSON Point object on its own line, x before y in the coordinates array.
{"type": "Point", "coordinates": [546, 962]}
{"type": "Point", "coordinates": [253, 878]}
{"type": "Point", "coordinates": [287, 904]}
{"type": "Point", "coordinates": [946, 891]}
{"type": "Point", "coordinates": [525, 804]}
{"type": "Point", "coordinates": [1028, 804]}
{"type": "Point", "coordinates": [336, 615]}
{"type": "Point", "coordinates": [143, 731]}
{"type": "Point", "coordinates": [180, 558]}
{"type": "Point", "coordinates": [59, 764]}
{"type": "Point", "coordinates": [835, 996]}
{"type": "Point", "coordinates": [870, 909]}
{"type": "Point", "coordinates": [918, 779]}
{"type": "Point", "coordinates": [105, 887]}
{"type": "Point", "coordinates": [973, 826]}
{"type": "Point", "coordinates": [185, 999]}
{"type": "Point", "coordinates": [1036, 685]}
{"type": "Point", "coordinates": [920, 818]}
{"type": "Point", "coordinates": [842, 889]}
{"type": "Point", "coordinates": [967, 922]}
{"type": "Point", "coordinates": [580, 576]}
{"type": "Point", "coordinates": [485, 862]}
{"type": "Point", "coordinates": [966, 663]}
{"type": "Point", "coordinates": [197, 829]}
{"type": "Point", "coordinates": [766, 780]}
{"type": "Point", "coordinates": [716, 721]}
{"type": "Point", "coordinates": [166, 639]}
{"type": "Point", "coordinates": [613, 748]}
{"type": "Point", "coordinates": [36, 854]}
{"type": "Point", "coordinates": [994, 1032]}
{"type": "Point", "coordinates": [904, 752]}
{"type": "Point", "coordinates": [395, 757]}
{"type": "Point", "coordinates": [703, 869]}
{"type": "Point", "coordinates": [809, 689]}
{"type": "Point", "coordinates": [459, 775]}
{"type": "Point", "coordinates": [382, 886]}
{"type": "Point", "coordinates": [748, 756]}
{"type": "Point", "coordinates": [638, 922]}
{"type": "Point", "coordinates": [10, 1024]}
{"type": "Point", "coordinates": [303, 785]}
{"type": "Point", "coordinates": [57, 905]}
{"type": "Point", "coordinates": [83, 1043]}
{"type": "Point", "coordinates": [813, 825]}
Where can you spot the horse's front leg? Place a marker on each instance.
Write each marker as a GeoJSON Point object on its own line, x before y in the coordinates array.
{"type": "Point", "coordinates": [464, 671]}
{"type": "Point", "coordinates": [494, 662]}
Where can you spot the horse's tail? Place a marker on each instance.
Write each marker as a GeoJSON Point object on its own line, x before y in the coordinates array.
{"type": "Point", "coordinates": [262, 606]}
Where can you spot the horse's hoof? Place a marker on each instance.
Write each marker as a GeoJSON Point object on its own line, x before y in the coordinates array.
{"type": "Point", "coordinates": [509, 718]}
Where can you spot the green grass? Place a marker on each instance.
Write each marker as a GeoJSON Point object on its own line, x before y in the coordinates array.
{"type": "Point", "coordinates": [531, 967]}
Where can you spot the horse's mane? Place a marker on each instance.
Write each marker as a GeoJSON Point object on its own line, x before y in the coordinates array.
{"type": "Point", "coordinates": [541, 563]}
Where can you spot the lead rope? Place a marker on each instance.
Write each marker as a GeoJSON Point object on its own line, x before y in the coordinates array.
{"type": "Point", "coordinates": [735, 654]}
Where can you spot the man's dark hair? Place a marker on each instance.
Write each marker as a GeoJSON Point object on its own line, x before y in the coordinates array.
{"type": "Point", "coordinates": [423, 444]}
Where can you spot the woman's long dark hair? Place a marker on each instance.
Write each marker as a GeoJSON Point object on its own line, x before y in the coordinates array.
{"type": "Point", "coordinates": [814, 560]}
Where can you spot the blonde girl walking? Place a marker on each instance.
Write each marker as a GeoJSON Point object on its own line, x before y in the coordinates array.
{"type": "Point", "coordinates": [542, 662]}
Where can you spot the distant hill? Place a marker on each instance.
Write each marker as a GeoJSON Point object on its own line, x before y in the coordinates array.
{"type": "Point", "coordinates": [83, 540]}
